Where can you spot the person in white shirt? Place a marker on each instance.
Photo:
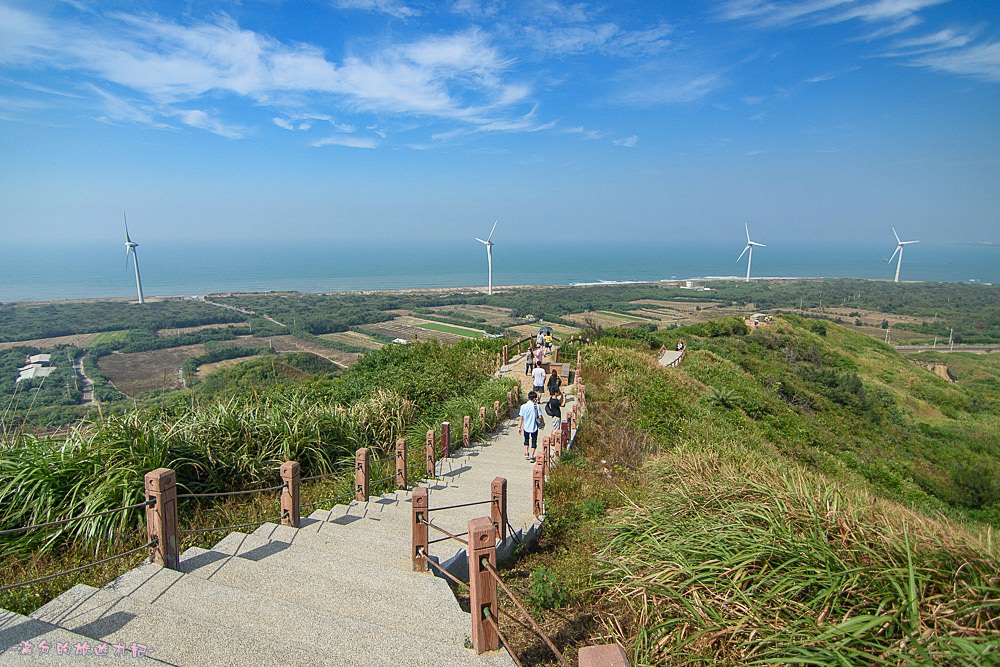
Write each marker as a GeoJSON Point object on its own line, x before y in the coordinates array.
{"type": "Point", "coordinates": [528, 423]}
{"type": "Point", "coordinates": [538, 379]}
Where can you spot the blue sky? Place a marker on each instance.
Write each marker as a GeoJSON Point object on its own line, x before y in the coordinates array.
{"type": "Point", "coordinates": [820, 120]}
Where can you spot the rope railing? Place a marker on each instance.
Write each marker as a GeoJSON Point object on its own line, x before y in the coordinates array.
{"type": "Point", "coordinates": [524, 611]}
{"type": "Point", "coordinates": [442, 530]}
{"type": "Point", "coordinates": [151, 544]}
{"type": "Point", "coordinates": [221, 494]}
{"type": "Point", "coordinates": [61, 522]}
{"type": "Point", "coordinates": [442, 539]}
{"type": "Point", "coordinates": [451, 507]}
{"type": "Point", "coordinates": [496, 628]}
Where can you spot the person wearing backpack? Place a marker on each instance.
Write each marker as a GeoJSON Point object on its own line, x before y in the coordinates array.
{"type": "Point", "coordinates": [529, 422]}
{"type": "Point", "coordinates": [555, 382]}
{"type": "Point", "coordinates": [553, 408]}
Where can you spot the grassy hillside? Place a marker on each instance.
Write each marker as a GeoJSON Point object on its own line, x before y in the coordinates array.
{"type": "Point", "coordinates": [798, 494]}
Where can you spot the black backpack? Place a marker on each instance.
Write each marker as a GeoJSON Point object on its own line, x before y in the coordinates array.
{"type": "Point", "coordinates": [548, 409]}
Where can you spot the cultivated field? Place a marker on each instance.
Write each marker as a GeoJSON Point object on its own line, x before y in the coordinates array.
{"type": "Point", "coordinates": [414, 328]}
{"type": "Point", "coordinates": [181, 330]}
{"type": "Point", "coordinates": [136, 372]}
{"type": "Point", "coordinates": [355, 338]}
{"type": "Point", "coordinates": [77, 340]}
{"type": "Point", "coordinates": [490, 315]}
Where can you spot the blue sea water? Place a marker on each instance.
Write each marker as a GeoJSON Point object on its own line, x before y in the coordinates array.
{"type": "Point", "coordinates": [172, 269]}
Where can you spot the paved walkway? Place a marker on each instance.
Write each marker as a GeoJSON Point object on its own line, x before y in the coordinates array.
{"type": "Point", "coordinates": [340, 590]}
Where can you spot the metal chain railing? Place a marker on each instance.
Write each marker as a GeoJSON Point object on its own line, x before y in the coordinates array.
{"type": "Point", "coordinates": [148, 545]}
{"type": "Point", "coordinates": [60, 522]}
{"type": "Point", "coordinates": [451, 507]}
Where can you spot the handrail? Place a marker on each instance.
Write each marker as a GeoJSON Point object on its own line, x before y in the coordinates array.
{"type": "Point", "coordinates": [442, 530]}
{"type": "Point", "coordinates": [24, 529]}
{"type": "Point", "coordinates": [152, 543]}
{"type": "Point", "coordinates": [451, 507]}
{"type": "Point", "coordinates": [517, 603]}
{"type": "Point", "coordinates": [231, 493]}
{"type": "Point", "coordinates": [496, 628]}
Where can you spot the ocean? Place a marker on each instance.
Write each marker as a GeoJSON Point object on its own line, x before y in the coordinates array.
{"type": "Point", "coordinates": [80, 271]}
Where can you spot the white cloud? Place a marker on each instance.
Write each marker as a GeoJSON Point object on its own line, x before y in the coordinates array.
{"type": "Point", "coordinates": [389, 7]}
{"type": "Point", "coordinates": [345, 141]}
{"type": "Point", "coordinates": [627, 142]}
{"type": "Point", "coordinates": [205, 121]}
{"type": "Point", "coordinates": [981, 61]}
{"type": "Point", "coordinates": [671, 88]}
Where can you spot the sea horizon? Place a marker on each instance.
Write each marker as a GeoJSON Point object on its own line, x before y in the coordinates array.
{"type": "Point", "coordinates": [170, 269]}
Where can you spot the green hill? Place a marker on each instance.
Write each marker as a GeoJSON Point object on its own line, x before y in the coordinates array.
{"type": "Point", "coordinates": [799, 494]}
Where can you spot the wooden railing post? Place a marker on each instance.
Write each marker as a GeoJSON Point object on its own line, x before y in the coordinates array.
{"type": "Point", "coordinates": [538, 488]}
{"type": "Point", "coordinates": [482, 419]}
{"type": "Point", "coordinates": [361, 476]}
{"type": "Point", "coordinates": [430, 455]}
{"type": "Point", "coordinates": [565, 427]}
{"type": "Point", "coordinates": [506, 354]}
{"type": "Point", "coordinates": [418, 503]}
{"type": "Point", "coordinates": [557, 444]}
{"type": "Point", "coordinates": [496, 413]}
{"type": "Point", "coordinates": [401, 482]}
{"type": "Point", "coordinates": [498, 508]}
{"type": "Point", "coordinates": [482, 585]}
{"type": "Point", "coordinates": [445, 439]}
{"type": "Point", "coordinates": [510, 405]}
{"type": "Point", "coordinates": [290, 472]}
{"type": "Point", "coordinates": [547, 452]}
{"type": "Point", "coordinates": [161, 518]}
{"type": "Point", "coordinates": [604, 655]}
{"type": "Point", "coordinates": [465, 431]}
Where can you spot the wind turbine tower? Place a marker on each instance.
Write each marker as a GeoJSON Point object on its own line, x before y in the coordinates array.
{"type": "Point", "coordinates": [749, 249]}
{"type": "Point", "coordinates": [489, 257]}
{"type": "Point", "coordinates": [130, 247]}
{"type": "Point", "coordinates": [899, 249]}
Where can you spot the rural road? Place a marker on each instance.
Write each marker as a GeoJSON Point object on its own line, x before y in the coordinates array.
{"type": "Point", "coordinates": [86, 382]}
{"type": "Point", "coordinates": [978, 349]}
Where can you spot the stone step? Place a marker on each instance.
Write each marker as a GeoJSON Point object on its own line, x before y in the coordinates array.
{"type": "Point", "coordinates": [27, 641]}
{"type": "Point", "coordinates": [424, 605]}
{"type": "Point", "coordinates": [347, 638]}
{"type": "Point", "coordinates": [379, 546]}
{"type": "Point", "coordinates": [173, 637]}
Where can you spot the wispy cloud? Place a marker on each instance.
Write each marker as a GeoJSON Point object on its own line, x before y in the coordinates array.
{"type": "Point", "coordinates": [390, 7]}
{"type": "Point", "coordinates": [346, 141]}
{"type": "Point", "coordinates": [669, 87]}
{"type": "Point", "coordinates": [627, 142]}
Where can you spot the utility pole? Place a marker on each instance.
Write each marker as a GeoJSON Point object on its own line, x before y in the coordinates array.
{"type": "Point", "coordinates": [951, 339]}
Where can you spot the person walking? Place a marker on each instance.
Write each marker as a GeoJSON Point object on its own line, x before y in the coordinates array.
{"type": "Point", "coordinates": [555, 382]}
{"type": "Point", "coordinates": [529, 421]}
{"type": "Point", "coordinates": [538, 379]}
{"type": "Point", "coordinates": [540, 339]}
{"type": "Point", "coordinates": [553, 408]}
{"type": "Point", "coordinates": [539, 355]}
{"type": "Point", "coordinates": [548, 342]}
{"type": "Point", "coordinates": [529, 361]}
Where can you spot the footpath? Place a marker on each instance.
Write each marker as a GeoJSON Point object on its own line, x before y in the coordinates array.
{"type": "Point", "coordinates": [338, 590]}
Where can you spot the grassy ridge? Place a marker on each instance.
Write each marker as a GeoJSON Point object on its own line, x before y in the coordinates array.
{"type": "Point", "coordinates": [785, 496]}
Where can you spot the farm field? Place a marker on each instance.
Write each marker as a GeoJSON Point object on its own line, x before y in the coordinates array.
{"type": "Point", "coordinates": [135, 372]}
{"type": "Point", "coordinates": [292, 344]}
{"type": "Point", "coordinates": [464, 332]}
{"type": "Point", "coordinates": [355, 338]}
{"type": "Point", "coordinates": [406, 328]}
{"type": "Point", "coordinates": [201, 327]}
{"type": "Point", "coordinates": [76, 340]}
{"type": "Point", "coordinates": [531, 329]}
{"type": "Point", "coordinates": [490, 315]}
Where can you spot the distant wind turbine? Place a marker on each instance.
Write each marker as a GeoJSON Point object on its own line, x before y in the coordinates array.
{"type": "Point", "coordinates": [899, 249]}
{"type": "Point", "coordinates": [130, 247]}
{"type": "Point", "coordinates": [749, 247]}
{"type": "Point", "coordinates": [489, 257]}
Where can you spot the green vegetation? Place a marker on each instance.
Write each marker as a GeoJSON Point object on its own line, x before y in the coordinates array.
{"type": "Point", "coordinates": [446, 328]}
{"type": "Point", "coordinates": [785, 495]}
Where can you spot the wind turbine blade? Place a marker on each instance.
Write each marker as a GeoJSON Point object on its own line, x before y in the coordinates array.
{"type": "Point", "coordinates": [895, 234]}
{"type": "Point", "coordinates": [893, 256]}
{"type": "Point", "coordinates": [762, 245]}
{"type": "Point", "coordinates": [127, 239]}
{"type": "Point", "coordinates": [490, 237]}
{"type": "Point", "coordinates": [482, 241]}
{"type": "Point", "coordinates": [747, 227]}
{"type": "Point", "coordinates": [743, 253]}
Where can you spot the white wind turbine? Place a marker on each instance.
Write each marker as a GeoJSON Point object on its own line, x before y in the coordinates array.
{"type": "Point", "coordinates": [749, 246]}
{"type": "Point", "coordinates": [899, 249]}
{"type": "Point", "coordinates": [489, 257]}
{"type": "Point", "coordinates": [130, 247]}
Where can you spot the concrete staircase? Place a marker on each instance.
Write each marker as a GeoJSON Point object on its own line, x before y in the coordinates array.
{"type": "Point", "coordinates": [340, 590]}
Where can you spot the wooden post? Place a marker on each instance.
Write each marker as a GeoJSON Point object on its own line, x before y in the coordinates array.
{"type": "Point", "coordinates": [161, 518]}
{"type": "Point", "coordinates": [418, 503]}
{"type": "Point", "coordinates": [510, 405]}
{"type": "Point", "coordinates": [445, 439]}
{"type": "Point", "coordinates": [604, 655]}
{"type": "Point", "coordinates": [430, 455]}
{"type": "Point", "coordinates": [557, 443]}
{"type": "Point", "coordinates": [547, 452]}
{"type": "Point", "coordinates": [506, 354]}
{"type": "Point", "coordinates": [498, 508]}
{"type": "Point", "coordinates": [401, 463]}
{"type": "Point", "coordinates": [482, 419]}
{"type": "Point", "coordinates": [465, 431]}
{"type": "Point", "coordinates": [538, 488]}
{"type": "Point", "coordinates": [496, 413]}
{"type": "Point", "coordinates": [290, 472]}
{"type": "Point", "coordinates": [482, 585]}
{"type": "Point", "coordinates": [565, 433]}
{"type": "Point", "coordinates": [361, 475]}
